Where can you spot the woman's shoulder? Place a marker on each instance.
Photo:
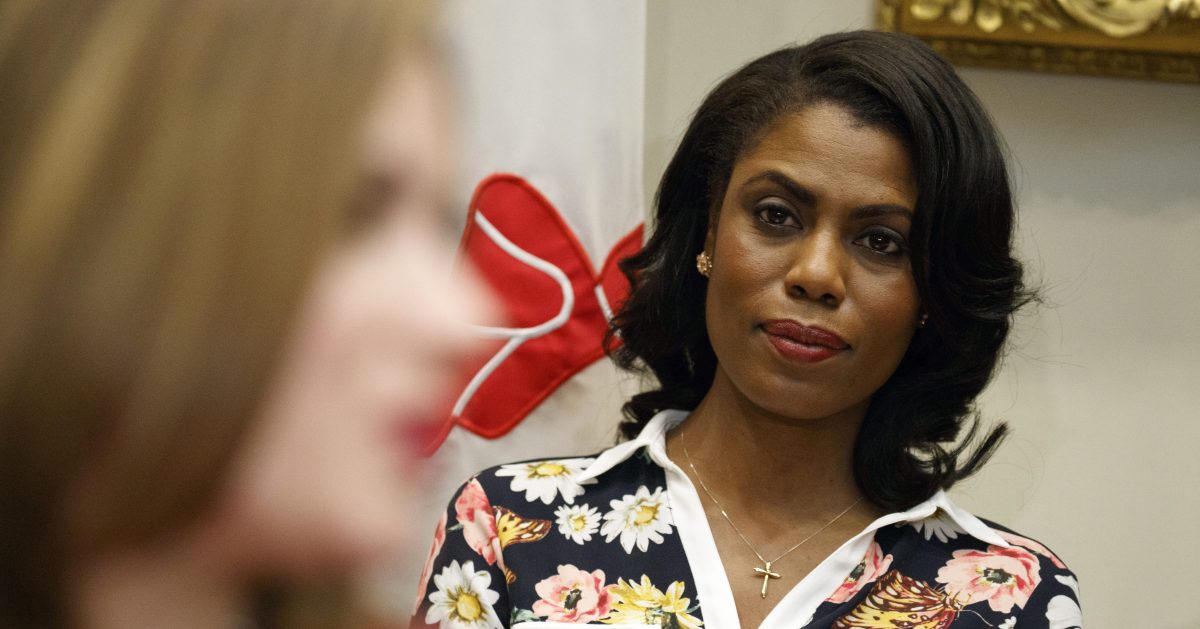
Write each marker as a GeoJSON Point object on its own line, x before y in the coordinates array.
{"type": "Point", "coordinates": [546, 480]}
{"type": "Point", "coordinates": [548, 483]}
{"type": "Point", "coordinates": [1028, 544]}
{"type": "Point", "coordinates": [943, 536]}
{"type": "Point", "coordinates": [983, 566]}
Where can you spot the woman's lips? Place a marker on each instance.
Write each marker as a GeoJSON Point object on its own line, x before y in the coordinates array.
{"type": "Point", "coordinates": [412, 438]}
{"type": "Point", "coordinates": [799, 342]}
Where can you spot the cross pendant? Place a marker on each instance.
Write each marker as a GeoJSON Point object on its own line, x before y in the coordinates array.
{"type": "Point", "coordinates": [767, 575]}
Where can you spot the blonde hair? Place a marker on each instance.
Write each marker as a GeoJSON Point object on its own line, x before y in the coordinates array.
{"type": "Point", "coordinates": [169, 174]}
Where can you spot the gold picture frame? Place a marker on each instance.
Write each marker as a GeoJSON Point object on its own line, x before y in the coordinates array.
{"type": "Point", "coordinates": [1144, 39]}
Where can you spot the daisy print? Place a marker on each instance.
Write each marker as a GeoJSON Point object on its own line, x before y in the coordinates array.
{"type": "Point", "coordinates": [638, 519]}
{"type": "Point", "coordinates": [1063, 611]}
{"type": "Point", "coordinates": [578, 522]}
{"type": "Point", "coordinates": [938, 525]}
{"type": "Point", "coordinates": [463, 599]}
{"type": "Point", "coordinates": [543, 480]}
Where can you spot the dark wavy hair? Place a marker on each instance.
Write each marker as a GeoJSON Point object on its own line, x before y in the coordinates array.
{"type": "Point", "coordinates": [969, 283]}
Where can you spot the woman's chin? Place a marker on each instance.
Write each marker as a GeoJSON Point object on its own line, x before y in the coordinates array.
{"type": "Point", "coordinates": [346, 550]}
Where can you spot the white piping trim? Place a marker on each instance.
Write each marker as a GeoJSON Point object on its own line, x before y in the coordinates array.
{"type": "Point", "coordinates": [515, 336]}
{"type": "Point", "coordinates": [602, 299]}
{"type": "Point", "coordinates": [483, 373]}
{"type": "Point", "coordinates": [564, 284]}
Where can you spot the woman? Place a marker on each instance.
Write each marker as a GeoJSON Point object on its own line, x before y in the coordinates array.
{"type": "Point", "coordinates": [828, 288]}
{"type": "Point", "coordinates": [222, 314]}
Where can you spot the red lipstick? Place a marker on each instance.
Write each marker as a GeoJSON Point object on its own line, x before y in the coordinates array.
{"type": "Point", "coordinates": [796, 341]}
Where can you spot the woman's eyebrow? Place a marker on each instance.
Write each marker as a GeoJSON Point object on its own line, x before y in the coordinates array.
{"type": "Point", "coordinates": [878, 210]}
{"type": "Point", "coordinates": [802, 194]}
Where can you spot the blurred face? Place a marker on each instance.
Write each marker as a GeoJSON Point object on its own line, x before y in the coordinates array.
{"type": "Point", "coordinates": [329, 478]}
{"type": "Point", "coordinates": [811, 302]}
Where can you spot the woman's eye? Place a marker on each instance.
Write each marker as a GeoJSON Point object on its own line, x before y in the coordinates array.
{"type": "Point", "coordinates": [374, 202]}
{"type": "Point", "coordinates": [882, 242]}
{"type": "Point", "coordinates": [776, 215]}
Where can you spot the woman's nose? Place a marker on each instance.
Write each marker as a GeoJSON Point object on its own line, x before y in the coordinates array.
{"type": "Point", "coordinates": [816, 271]}
{"type": "Point", "coordinates": [455, 305]}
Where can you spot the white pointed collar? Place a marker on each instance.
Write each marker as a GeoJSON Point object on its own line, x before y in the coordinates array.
{"type": "Point", "coordinates": [653, 437]}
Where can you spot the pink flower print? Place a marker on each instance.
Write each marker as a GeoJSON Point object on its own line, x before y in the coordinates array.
{"type": "Point", "coordinates": [574, 596]}
{"type": "Point", "coordinates": [439, 538]}
{"type": "Point", "coordinates": [478, 520]}
{"type": "Point", "coordinates": [1001, 576]}
{"type": "Point", "coordinates": [1013, 538]}
{"type": "Point", "coordinates": [874, 564]}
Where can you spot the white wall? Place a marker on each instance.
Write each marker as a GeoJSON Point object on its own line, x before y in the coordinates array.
{"type": "Point", "coordinates": [1103, 386]}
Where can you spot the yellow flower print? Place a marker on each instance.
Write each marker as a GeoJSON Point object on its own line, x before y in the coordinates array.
{"type": "Point", "coordinates": [642, 603]}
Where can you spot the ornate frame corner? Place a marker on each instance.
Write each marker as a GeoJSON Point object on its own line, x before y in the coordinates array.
{"type": "Point", "coordinates": [1140, 39]}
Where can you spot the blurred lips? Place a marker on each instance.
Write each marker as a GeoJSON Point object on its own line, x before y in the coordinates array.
{"type": "Point", "coordinates": [413, 434]}
{"type": "Point", "coordinates": [798, 342]}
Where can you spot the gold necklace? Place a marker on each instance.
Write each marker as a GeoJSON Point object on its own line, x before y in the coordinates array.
{"type": "Point", "coordinates": [764, 570]}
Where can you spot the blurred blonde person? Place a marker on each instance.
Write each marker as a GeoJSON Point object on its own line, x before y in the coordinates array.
{"type": "Point", "coordinates": [224, 303]}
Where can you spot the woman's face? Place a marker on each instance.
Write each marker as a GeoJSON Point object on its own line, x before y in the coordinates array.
{"type": "Point", "coordinates": [811, 301]}
{"type": "Point", "coordinates": [329, 479]}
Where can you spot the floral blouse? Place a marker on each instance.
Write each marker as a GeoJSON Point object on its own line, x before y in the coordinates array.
{"type": "Point", "coordinates": [621, 539]}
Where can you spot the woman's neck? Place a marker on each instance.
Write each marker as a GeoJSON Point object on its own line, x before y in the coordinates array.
{"type": "Point", "coordinates": [177, 586]}
{"type": "Point", "coordinates": [747, 455]}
